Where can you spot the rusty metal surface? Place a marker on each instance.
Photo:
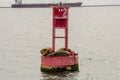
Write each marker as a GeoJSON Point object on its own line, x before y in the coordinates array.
{"type": "Point", "coordinates": [59, 61]}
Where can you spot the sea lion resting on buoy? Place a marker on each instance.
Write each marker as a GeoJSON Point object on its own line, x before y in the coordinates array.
{"type": "Point", "coordinates": [59, 52]}
{"type": "Point", "coordinates": [46, 51]}
{"type": "Point", "coordinates": [64, 49]}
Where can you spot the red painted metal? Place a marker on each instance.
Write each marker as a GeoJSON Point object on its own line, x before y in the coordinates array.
{"type": "Point", "coordinates": [60, 61]}
{"type": "Point", "coordinates": [60, 21]}
{"type": "Point", "coordinates": [60, 16]}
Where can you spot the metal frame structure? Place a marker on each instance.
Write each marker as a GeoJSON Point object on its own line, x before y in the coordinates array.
{"type": "Point", "coordinates": [60, 21]}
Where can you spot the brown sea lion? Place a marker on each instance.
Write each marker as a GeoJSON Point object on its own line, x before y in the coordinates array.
{"type": "Point", "coordinates": [64, 49]}
{"type": "Point", "coordinates": [59, 53]}
{"type": "Point", "coordinates": [46, 51]}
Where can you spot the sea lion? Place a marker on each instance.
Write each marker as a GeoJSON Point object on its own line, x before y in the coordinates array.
{"type": "Point", "coordinates": [46, 51]}
{"type": "Point", "coordinates": [64, 49]}
{"type": "Point", "coordinates": [59, 53]}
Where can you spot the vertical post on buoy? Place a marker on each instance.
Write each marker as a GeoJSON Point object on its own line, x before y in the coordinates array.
{"type": "Point", "coordinates": [60, 21]}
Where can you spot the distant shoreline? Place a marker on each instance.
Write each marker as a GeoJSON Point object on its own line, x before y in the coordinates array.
{"type": "Point", "coordinates": [84, 6]}
{"type": "Point", "coordinates": [98, 5]}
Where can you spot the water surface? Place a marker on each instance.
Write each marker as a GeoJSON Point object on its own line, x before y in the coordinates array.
{"type": "Point", "coordinates": [93, 33]}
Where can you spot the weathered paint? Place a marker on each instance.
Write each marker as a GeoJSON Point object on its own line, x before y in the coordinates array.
{"type": "Point", "coordinates": [59, 61]}
{"type": "Point", "coordinates": [60, 69]}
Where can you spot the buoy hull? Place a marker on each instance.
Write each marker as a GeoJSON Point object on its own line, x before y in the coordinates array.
{"type": "Point", "coordinates": [59, 63]}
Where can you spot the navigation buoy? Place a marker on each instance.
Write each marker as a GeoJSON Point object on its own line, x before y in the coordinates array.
{"type": "Point", "coordinates": [63, 59]}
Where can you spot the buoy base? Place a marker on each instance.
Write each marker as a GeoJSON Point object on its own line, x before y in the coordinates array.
{"type": "Point", "coordinates": [59, 61]}
{"type": "Point", "coordinates": [60, 69]}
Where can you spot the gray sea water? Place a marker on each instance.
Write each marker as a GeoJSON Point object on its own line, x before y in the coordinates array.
{"type": "Point", "coordinates": [94, 32]}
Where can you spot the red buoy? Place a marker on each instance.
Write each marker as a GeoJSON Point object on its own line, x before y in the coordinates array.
{"type": "Point", "coordinates": [63, 59]}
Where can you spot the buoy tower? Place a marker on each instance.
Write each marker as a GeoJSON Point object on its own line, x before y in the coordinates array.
{"type": "Point", "coordinates": [60, 21]}
{"type": "Point", "coordinates": [63, 59]}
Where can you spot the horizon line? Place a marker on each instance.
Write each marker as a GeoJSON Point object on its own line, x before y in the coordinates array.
{"type": "Point", "coordinates": [80, 6]}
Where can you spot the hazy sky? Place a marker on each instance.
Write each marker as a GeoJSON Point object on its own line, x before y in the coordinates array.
{"type": "Point", "coordinates": [86, 2]}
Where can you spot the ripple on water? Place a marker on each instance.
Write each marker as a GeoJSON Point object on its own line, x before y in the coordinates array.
{"type": "Point", "coordinates": [59, 76]}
